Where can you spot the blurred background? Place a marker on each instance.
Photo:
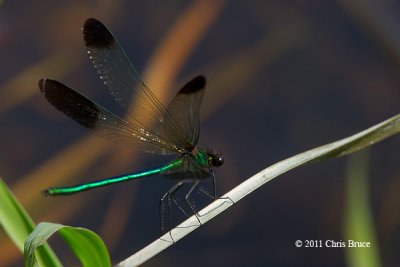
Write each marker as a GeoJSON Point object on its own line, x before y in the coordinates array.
{"type": "Point", "coordinates": [282, 77]}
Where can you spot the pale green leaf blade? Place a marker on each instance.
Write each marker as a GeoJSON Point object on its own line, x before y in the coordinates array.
{"type": "Point", "coordinates": [85, 244]}
{"type": "Point", "coordinates": [358, 221]}
{"type": "Point", "coordinates": [13, 218]}
{"type": "Point", "coordinates": [17, 224]}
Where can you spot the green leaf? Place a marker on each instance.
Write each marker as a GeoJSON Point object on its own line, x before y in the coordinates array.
{"type": "Point", "coordinates": [85, 244]}
{"type": "Point", "coordinates": [13, 218]}
{"type": "Point", "coordinates": [358, 220]}
{"type": "Point", "coordinates": [18, 224]}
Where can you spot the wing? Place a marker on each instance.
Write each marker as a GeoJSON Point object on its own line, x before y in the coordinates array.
{"type": "Point", "coordinates": [185, 108]}
{"type": "Point", "coordinates": [125, 84]}
{"type": "Point", "coordinates": [105, 123]}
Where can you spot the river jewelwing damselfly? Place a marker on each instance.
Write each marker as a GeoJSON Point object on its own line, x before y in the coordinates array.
{"type": "Point", "coordinates": [151, 128]}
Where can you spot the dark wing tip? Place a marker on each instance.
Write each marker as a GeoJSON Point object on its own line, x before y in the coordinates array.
{"type": "Point", "coordinates": [41, 84]}
{"type": "Point", "coordinates": [71, 103]}
{"type": "Point", "coordinates": [46, 84]}
{"type": "Point", "coordinates": [196, 84]}
{"type": "Point", "coordinates": [96, 34]}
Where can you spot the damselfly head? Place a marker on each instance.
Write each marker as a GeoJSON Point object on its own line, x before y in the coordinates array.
{"type": "Point", "coordinates": [215, 159]}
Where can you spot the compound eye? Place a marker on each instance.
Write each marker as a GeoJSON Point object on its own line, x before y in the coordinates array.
{"type": "Point", "coordinates": [218, 161]}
